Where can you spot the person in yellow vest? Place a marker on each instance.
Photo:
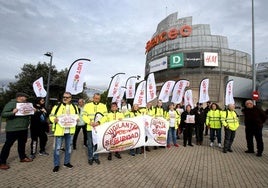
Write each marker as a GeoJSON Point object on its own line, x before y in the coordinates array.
{"type": "Point", "coordinates": [230, 122]}
{"type": "Point", "coordinates": [150, 111]}
{"type": "Point", "coordinates": [114, 114]}
{"type": "Point", "coordinates": [90, 111]}
{"type": "Point", "coordinates": [213, 121]}
{"type": "Point", "coordinates": [159, 112]}
{"type": "Point", "coordinates": [63, 133]}
{"type": "Point", "coordinates": [174, 118]}
{"type": "Point", "coordinates": [135, 111]}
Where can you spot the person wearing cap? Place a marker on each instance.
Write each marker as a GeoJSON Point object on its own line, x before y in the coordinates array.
{"type": "Point", "coordinates": [16, 129]}
{"type": "Point", "coordinates": [254, 120]}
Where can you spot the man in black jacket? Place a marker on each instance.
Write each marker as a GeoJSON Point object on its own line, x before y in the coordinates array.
{"type": "Point", "coordinates": [254, 119]}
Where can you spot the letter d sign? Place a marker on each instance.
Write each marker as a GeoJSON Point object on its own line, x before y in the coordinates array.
{"type": "Point", "coordinates": [176, 60]}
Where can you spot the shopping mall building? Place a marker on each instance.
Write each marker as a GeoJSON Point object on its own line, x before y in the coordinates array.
{"type": "Point", "coordinates": [180, 50]}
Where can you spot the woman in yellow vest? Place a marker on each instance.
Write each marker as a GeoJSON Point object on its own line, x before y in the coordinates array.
{"type": "Point", "coordinates": [213, 121]}
{"type": "Point", "coordinates": [114, 114]}
{"type": "Point", "coordinates": [134, 113]}
{"type": "Point", "coordinates": [173, 118]}
{"type": "Point", "coordinates": [230, 122]}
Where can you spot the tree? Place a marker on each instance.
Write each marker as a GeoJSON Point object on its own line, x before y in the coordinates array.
{"type": "Point", "coordinates": [29, 74]}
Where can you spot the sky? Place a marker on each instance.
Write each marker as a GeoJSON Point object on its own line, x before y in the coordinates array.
{"type": "Point", "coordinates": [113, 33]}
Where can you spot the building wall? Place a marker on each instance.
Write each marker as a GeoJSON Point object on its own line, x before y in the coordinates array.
{"type": "Point", "coordinates": [230, 62]}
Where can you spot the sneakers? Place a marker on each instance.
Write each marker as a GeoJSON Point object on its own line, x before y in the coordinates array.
{"type": "Point", "coordinates": [90, 161]}
{"type": "Point", "coordinates": [56, 169]}
{"type": "Point", "coordinates": [32, 156]}
{"type": "Point", "coordinates": [4, 166]}
{"type": "Point", "coordinates": [97, 161]}
{"type": "Point", "coordinates": [168, 146]}
{"type": "Point", "coordinates": [211, 144]}
{"type": "Point", "coordinates": [109, 156]}
{"type": "Point", "coordinates": [117, 155]}
{"type": "Point", "coordinates": [25, 160]}
{"type": "Point", "coordinates": [68, 165]}
{"type": "Point", "coordinates": [176, 145]}
{"type": "Point", "coordinates": [219, 145]}
{"type": "Point", "coordinates": [258, 154]}
{"type": "Point", "coordinates": [43, 153]}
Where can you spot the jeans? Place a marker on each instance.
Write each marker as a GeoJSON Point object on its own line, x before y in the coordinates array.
{"type": "Point", "coordinates": [218, 134]}
{"type": "Point", "coordinates": [11, 137]}
{"type": "Point", "coordinates": [68, 140]}
{"type": "Point", "coordinates": [90, 148]}
{"type": "Point", "coordinates": [171, 135]}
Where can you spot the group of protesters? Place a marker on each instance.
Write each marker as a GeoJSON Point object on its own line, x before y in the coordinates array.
{"type": "Point", "coordinates": [181, 119]}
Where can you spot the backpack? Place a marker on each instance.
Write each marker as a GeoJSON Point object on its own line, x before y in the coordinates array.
{"type": "Point", "coordinates": [57, 109]}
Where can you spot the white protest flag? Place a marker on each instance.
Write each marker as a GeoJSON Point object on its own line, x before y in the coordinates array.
{"type": "Point", "coordinates": [229, 97]}
{"type": "Point", "coordinates": [131, 87]}
{"type": "Point", "coordinates": [38, 88]}
{"type": "Point", "coordinates": [166, 91]}
{"type": "Point", "coordinates": [178, 91]}
{"type": "Point", "coordinates": [151, 88]}
{"type": "Point", "coordinates": [140, 96]}
{"type": "Point", "coordinates": [77, 76]}
{"type": "Point", "coordinates": [115, 84]}
{"type": "Point", "coordinates": [203, 91]}
{"type": "Point", "coordinates": [119, 96]}
{"type": "Point", "coordinates": [188, 98]}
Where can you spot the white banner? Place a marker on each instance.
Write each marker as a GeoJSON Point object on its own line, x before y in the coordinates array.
{"type": "Point", "coordinates": [115, 85]}
{"type": "Point", "coordinates": [130, 133]}
{"type": "Point", "coordinates": [77, 76]}
{"type": "Point", "coordinates": [229, 98]}
{"type": "Point", "coordinates": [211, 59]}
{"type": "Point", "coordinates": [178, 91]}
{"type": "Point", "coordinates": [67, 120]}
{"type": "Point", "coordinates": [38, 88]}
{"type": "Point", "coordinates": [159, 64]}
{"type": "Point", "coordinates": [150, 88]}
{"type": "Point", "coordinates": [140, 96]}
{"type": "Point", "coordinates": [156, 131]}
{"type": "Point", "coordinates": [119, 96]}
{"type": "Point", "coordinates": [131, 87]}
{"type": "Point", "coordinates": [203, 91]}
{"type": "Point", "coordinates": [188, 98]}
{"type": "Point", "coordinates": [166, 91]}
{"type": "Point", "coordinates": [121, 135]}
{"type": "Point", "coordinates": [24, 109]}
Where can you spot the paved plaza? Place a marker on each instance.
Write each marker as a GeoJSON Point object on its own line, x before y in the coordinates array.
{"type": "Point", "coordinates": [198, 166]}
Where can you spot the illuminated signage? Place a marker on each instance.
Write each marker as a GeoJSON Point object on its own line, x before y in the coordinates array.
{"type": "Point", "coordinates": [192, 60]}
{"type": "Point", "coordinates": [211, 59]}
{"type": "Point", "coordinates": [172, 34]}
{"type": "Point", "coordinates": [176, 60]}
{"type": "Point", "coordinates": [159, 64]}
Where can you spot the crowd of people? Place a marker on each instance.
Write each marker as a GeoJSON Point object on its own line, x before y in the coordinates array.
{"type": "Point", "coordinates": [189, 121]}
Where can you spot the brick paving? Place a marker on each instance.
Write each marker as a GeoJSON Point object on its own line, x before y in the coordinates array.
{"type": "Point", "coordinates": [198, 166]}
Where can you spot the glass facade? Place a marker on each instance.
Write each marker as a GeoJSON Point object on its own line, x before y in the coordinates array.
{"type": "Point", "coordinates": [230, 62]}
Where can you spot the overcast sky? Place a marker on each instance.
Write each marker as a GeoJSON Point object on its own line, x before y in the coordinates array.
{"type": "Point", "coordinates": [113, 33]}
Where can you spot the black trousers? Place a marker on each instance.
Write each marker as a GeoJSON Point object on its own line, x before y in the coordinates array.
{"type": "Point", "coordinates": [228, 138]}
{"type": "Point", "coordinates": [42, 135]}
{"type": "Point", "coordinates": [77, 130]}
{"type": "Point", "coordinates": [257, 133]}
{"type": "Point", "coordinates": [199, 129]}
{"type": "Point", "coordinates": [187, 135]}
{"type": "Point", "coordinates": [11, 137]}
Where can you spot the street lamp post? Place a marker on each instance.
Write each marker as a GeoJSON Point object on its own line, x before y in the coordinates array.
{"type": "Point", "coordinates": [253, 51]}
{"type": "Point", "coordinates": [49, 54]}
